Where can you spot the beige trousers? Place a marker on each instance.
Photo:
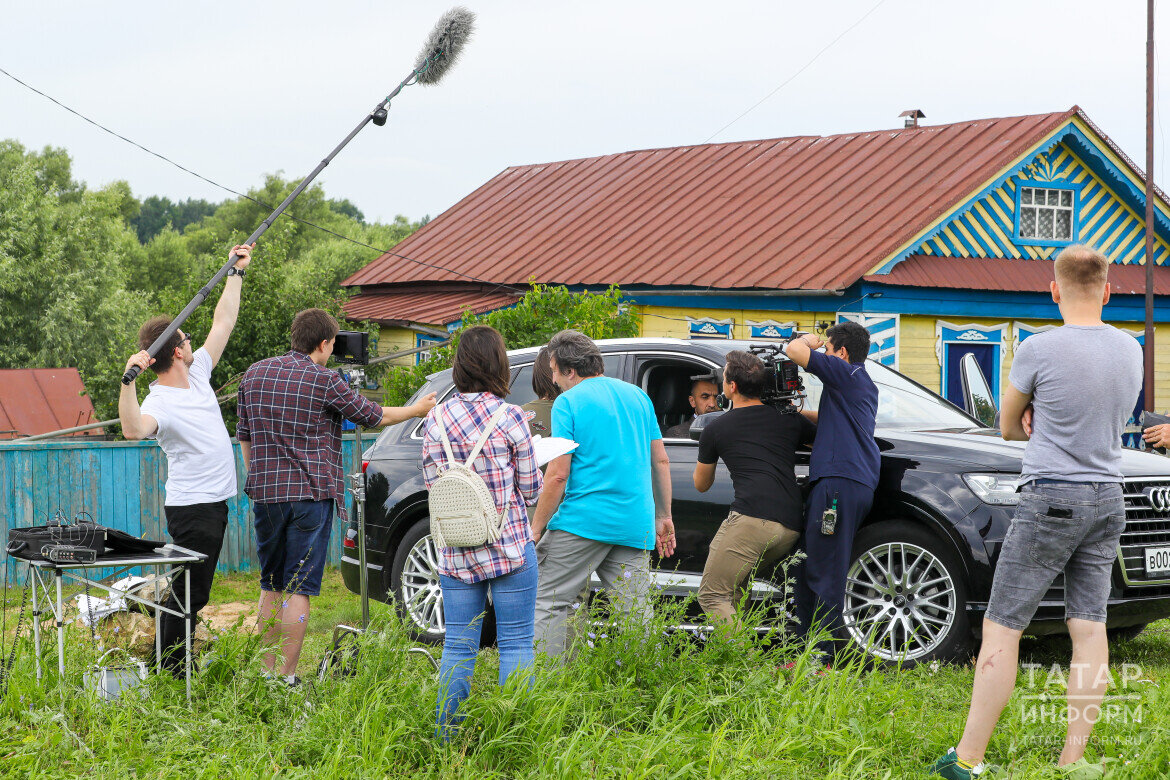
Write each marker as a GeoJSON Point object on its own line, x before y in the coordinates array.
{"type": "Point", "coordinates": [741, 545]}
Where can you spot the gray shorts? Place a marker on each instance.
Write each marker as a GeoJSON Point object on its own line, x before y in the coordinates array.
{"type": "Point", "coordinates": [1069, 527]}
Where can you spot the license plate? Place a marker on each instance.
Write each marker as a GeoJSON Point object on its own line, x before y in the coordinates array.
{"type": "Point", "coordinates": [1157, 560]}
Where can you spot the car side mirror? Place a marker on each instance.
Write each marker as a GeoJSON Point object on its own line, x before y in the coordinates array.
{"type": "Point", "coordinates": [977, 395]}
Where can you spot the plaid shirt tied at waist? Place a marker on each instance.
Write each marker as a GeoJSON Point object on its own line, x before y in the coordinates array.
{"type": "Point", "coordinates": [507, 464]}
{"type": "Point", "coordinates": [291, 409]}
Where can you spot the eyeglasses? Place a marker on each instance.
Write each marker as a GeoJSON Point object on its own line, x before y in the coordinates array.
{"type": "Point", "coordinates": [183, 340]}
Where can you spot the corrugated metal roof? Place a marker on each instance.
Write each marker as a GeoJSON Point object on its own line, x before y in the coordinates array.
{"type": "Point", "coordinates": [40, 400]}
{"type": "Point", "coordinates": [976, 273]}
{"type": "Point", "coordinates": [789, 213]}
{"type": "Point", "coordinates": [434, 308]}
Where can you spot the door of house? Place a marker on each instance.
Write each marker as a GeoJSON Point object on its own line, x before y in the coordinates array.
{"type": "Point", "coordinates": [986, 355]}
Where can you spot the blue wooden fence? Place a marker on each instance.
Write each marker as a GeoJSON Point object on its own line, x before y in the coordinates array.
{"type": "Point", "coordinates": [121, 485]}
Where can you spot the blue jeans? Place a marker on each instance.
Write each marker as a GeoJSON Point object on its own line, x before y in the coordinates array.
{"type": "Point", "coordinates": [514, 600]}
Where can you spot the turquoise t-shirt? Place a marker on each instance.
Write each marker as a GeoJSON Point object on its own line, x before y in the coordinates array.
{"type": "Point", "coordinates": [609, 496]}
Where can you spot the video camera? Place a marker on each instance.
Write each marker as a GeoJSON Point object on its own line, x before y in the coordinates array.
{"type": "Point", "coordinates": [782, 384]}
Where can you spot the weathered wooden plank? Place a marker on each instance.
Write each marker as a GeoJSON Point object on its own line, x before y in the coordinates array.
{"type": "Point", "coordinates": [121, 484]}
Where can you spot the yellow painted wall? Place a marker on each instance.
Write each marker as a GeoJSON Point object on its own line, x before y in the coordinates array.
{"type": "Point", "coordinates": [916, 338]}
{"type": "Point", "coordinates": [391, 339]}
{"type": "Point", "coordinates": [671, 322]}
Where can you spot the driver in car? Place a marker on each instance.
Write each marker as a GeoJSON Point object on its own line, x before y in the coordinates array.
{"type": "Point", "coordinates": [702, 398]}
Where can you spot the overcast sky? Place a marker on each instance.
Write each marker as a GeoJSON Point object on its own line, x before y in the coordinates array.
{"type": "Point", "coordinates": [235, 90]}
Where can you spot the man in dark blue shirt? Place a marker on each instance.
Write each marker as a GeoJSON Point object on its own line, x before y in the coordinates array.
{"type": "Point", "coordinates": [843, 471]}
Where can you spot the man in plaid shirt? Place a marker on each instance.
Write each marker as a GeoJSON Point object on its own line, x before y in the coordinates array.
{"type": "Point", "coordinates": [290, 409]}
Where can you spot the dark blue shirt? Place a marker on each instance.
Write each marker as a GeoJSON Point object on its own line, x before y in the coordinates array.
{"type": "Point", "coordinates": [845, 446]}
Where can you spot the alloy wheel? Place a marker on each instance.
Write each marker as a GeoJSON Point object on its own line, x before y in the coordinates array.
{"type": "Point", "coordinates": [421, 594]}
{"type": "Point", "coordinates": [900, 601]}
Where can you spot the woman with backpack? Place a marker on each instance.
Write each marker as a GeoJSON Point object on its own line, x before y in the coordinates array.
{"type": "Point", "coordinates": [480, 469]}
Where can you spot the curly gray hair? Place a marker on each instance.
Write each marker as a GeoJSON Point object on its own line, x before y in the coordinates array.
{"type": "Point", "coordinates": [572, 349]}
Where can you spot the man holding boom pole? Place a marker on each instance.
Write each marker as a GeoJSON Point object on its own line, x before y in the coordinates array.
{"type": "Point", "coordinates": [182, 413]}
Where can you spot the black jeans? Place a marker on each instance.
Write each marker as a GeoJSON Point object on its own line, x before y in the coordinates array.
{"type": "Point", "coordinates": [198, 527]}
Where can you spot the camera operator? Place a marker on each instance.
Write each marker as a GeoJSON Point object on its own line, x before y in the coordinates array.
{"type": "Point", "coordinates": [843, 471]}
{"type": "Point", "coordinates": [290, 409]}
{"type": "Point", "coordinates": [758, 444]}
{"type": "Point", "coordinates": [702, 398]}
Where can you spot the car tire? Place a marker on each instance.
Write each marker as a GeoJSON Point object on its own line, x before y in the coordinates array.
{"type": "Point", "coordinates": [414, 586]}
{"type": "Point", "coordinates": [906, 596]}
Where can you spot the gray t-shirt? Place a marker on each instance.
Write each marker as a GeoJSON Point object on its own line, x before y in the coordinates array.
{"type": "Point", "coordinates": [1084, 381]}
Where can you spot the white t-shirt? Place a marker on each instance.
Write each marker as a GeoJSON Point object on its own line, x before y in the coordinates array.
{"type": "Point", "coordinates": [201, 465]}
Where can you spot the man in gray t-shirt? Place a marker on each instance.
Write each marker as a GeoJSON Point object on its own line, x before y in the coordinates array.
{"type": "Point", "coordinates": [1070, 392]}
{"type": "Point", "coordinates": [1083, 381]}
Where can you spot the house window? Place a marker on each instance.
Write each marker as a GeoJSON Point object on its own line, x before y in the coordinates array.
{"type": "Point", "coordinates": [425, 341]}
{"type": "Point", "coordinates": [883, 335]}
{"type": "Point", "coordinates": [1045, 214]}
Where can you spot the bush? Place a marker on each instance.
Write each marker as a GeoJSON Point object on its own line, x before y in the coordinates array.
{"type": "Point", "coordinates": [543, 311]}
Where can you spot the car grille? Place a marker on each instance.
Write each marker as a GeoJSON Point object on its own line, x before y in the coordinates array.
{"type": "Point", "coordinates": [1144, 527]}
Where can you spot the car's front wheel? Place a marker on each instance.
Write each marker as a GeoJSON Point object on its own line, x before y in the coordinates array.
{"type": "Point", "coordinates": [905, 598]}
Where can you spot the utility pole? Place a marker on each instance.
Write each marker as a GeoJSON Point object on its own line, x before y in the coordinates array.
{"type": "Point", "coordinates": [1149, 350]}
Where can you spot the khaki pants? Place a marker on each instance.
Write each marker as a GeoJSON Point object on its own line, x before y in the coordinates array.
{"type": "Point", "coordinates": [740, 545]}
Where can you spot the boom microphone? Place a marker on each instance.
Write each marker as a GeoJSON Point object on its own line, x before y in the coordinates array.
{"type": "Point", "coordinates": [443, 45]}
{"type": "Point", "coordinates": [439, 54]}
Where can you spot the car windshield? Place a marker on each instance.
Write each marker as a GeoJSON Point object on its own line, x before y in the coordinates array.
{"type": "Point", "coordinates": [901, 403]}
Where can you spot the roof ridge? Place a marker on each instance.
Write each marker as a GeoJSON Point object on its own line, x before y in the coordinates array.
{"type": "Point", "coordinates": [851, 134]}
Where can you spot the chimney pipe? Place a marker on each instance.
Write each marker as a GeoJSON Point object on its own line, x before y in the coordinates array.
{"type": "Point", "coordinates": [912, 116]}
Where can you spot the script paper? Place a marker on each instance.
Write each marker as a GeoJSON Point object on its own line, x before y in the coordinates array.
{"type": "Point", "coordinates": [551, 447]}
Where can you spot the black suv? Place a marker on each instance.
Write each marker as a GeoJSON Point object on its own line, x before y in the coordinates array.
{"type": "Point", "coordinates": [922, 561]}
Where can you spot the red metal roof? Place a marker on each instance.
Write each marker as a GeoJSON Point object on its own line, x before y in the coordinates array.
{"type": "Point", "coordinates": [436, 308]}
{"type": "Point", "coordinates": [808, 212]}
{"type": "Point", "coordinates": [40, 400]}
{"type": "Point", "coordinates": [976, 273]}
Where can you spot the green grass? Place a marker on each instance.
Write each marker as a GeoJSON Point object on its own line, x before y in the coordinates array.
{"type": "Point", "coordinates": [625, 708]}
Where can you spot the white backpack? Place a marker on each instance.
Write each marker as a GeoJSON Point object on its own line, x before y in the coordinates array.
{"type": "Point", "coordinates": [463, 511]}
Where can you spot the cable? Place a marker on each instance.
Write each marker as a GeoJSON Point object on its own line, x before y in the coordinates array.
{"type": "Point", "coordinates": [806, 66]}
{"type": "Point", "coordinates": [225, 188]}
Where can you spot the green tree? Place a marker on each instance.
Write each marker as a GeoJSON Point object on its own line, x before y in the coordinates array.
{"type": "Point", "coordinates": [63, 294]}
{"type": "Point", "coordinates": [295, 267]}
{"type": "Point", "coordinates": [157, 213]}
{"type": "Point", "coordinates": [76, 283]}
{"type": "Point", "coordinates": [543, 311]}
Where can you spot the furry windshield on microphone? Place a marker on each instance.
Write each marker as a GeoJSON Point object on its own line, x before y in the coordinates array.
{"type": "Point", "coordinates": [442, 48]}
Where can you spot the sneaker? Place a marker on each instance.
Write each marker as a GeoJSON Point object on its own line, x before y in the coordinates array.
{"type": "Point", "coordinates": [1081, 769]}
{"type": "Point", "coordinates": [950, 767]}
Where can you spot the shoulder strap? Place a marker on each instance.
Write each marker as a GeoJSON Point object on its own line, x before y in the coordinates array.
{"type": "Point", "coordinates": [443, 436]}
{"type": "Point", "coordinates": [487, 430]}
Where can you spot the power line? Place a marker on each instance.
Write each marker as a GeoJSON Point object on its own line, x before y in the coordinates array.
{"type": "Point", "coordinates": [805, 67]}
{"type": "Point", "coordinates": [225, 188]}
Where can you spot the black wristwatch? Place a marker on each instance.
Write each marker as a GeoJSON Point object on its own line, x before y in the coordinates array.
{"type": "Point", "coordinates": [233, 271]}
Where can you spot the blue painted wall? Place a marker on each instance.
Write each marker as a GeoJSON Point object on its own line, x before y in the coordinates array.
{"type": "Point", "coordinates": [121, 485]}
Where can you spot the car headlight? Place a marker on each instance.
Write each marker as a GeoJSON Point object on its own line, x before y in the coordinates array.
{"type": "Point", "coordinates": [998, 489]}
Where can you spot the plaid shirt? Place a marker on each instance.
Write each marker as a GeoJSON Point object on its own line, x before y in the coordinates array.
{"type": "Point", "coordinates": [507, 464]}
{"type": "Point", "coordinates": [290, 410]}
